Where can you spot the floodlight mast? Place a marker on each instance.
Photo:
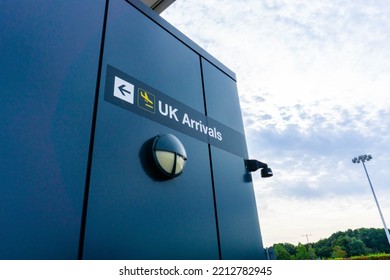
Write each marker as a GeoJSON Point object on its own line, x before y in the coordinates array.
{"type": "Point", "coordinates": [362, 159]}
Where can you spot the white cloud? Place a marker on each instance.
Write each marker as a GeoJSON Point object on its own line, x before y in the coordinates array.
{"type": "Point", "coordinates": [313, 79]}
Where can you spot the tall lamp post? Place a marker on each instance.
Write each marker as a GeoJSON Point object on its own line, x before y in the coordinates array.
{"type": "Point", "coordinates": [363, 159]}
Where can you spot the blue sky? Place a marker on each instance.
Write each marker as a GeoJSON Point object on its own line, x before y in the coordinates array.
{"type": "Point", "coordinates": [314, 83]}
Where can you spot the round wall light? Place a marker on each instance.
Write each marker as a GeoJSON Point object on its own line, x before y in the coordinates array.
{"type": "Point", "coordinates": [169, 155]}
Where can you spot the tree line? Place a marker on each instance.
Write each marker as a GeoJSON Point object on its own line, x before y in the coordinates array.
{"type": "Point", "coordinates": [342, 244]}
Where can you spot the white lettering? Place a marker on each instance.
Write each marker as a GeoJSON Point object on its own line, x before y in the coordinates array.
{"type": "Point", "coordinates": [192, 123]}
{"type": "Point", "coordinates": [196, 125]}
{"type": "Point", "coordinates": [172, 113]}
{"type": "Point", "coordinates": [211, 132]}
{"type": "Point", "coordinates": [167, 110]}
{"type": "Point", "coordinates": [186, 120]}
{"type": "Point", "coordinates": [165, 113]}
{"type": "Point", "coordinates": [203, 128]}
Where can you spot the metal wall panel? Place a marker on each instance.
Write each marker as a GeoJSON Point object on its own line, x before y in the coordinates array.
{"type": "Point", "coordinates": [236, 206]}
{"type": "Point", "coordinates": [49, 60]}
{"type": "Point", "coordinates": [132, 214]}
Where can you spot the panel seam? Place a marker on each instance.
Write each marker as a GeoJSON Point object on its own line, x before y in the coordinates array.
{"type": "Point", "coordinates": [211, 165]}
{"type": "Point", "coordinates": [92, 139]}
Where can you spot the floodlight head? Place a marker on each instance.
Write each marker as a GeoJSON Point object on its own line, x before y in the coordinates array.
{"type": "Point", "coordinates": [266, 172]}
{"type": "Point", "coordinates": [362, 158]}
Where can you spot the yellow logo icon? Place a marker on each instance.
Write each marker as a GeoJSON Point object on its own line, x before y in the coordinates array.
{"type": "Point", "coordinates": [146, 100]}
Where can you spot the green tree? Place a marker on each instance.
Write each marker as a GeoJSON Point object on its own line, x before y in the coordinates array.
{"type": "Point", "coordinates": [356, 247]}
{"type": "Point", "coordinates": [374, 238]}
{"type": "Point", "coordinates": [302, 253]}
{"type": "Point", "coordinates": [312, 252]}
{"type": "Point", "coordinates": [349, 243]}
{"type": "Point", "coordinates": [281, 252]}
{"type": "Point", "coordinates": [291, 249]}
{"type": "Point", "coordinates": [338, 252]}
{"type": "Point", "coordinates": [323, 248]}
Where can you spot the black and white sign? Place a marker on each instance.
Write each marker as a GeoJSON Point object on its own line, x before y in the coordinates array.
{"type": "Point", "coordinates": [131, 94]}
{"type": "Point", "coordinates": [124, 90]}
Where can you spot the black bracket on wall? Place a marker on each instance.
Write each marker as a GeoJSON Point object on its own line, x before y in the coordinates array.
{"type": "Point", "coordinates": [253, 165]}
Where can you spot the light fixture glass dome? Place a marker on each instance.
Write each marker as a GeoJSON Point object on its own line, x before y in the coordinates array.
{"type": "Point", "coordinates": [169, 154]}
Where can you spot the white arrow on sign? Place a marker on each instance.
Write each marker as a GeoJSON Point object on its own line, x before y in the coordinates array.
{"type": "Point", "coordinates": [124, 90]}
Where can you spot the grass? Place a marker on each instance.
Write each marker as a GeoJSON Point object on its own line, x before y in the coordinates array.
{"type": "Point", "coordinates": [381, 256]}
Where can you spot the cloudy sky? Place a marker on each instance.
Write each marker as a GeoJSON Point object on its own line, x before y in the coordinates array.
{"type": "Point", "coordinates": [314, 83]}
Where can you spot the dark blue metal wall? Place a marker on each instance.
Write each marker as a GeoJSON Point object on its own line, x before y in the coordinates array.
{"type": "Point", "coordinates": [65, 194]}
{"type": "Point", "coordinates": [49, 63]}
